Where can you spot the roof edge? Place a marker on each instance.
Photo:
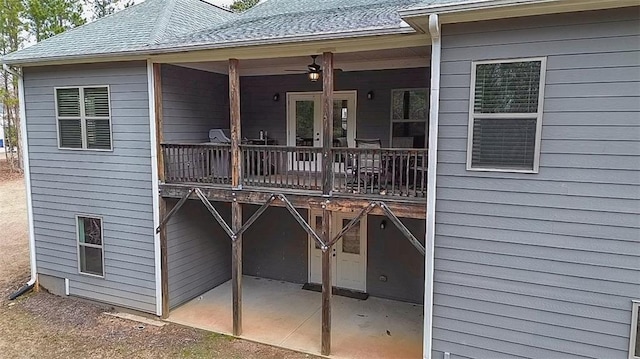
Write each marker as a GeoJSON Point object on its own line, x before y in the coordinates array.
{"type": "Point", "coordinates": [142, 54]}
{"type": "Point", "coordinates": [495, 9]}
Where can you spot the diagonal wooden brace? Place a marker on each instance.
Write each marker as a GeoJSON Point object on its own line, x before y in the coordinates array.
{"type": "Point", "coordinates": [296, 215]}
{"type": "Point", "coordinates": [175, 209]}
{"type": "Point", "coordinates": [352, 223]}
{"type": "Point", "coordinates": [256, 215]}
{"type": "Point", "coordinates": [402, 228]}
{"type": "Point", "coordinates": [215, 213]}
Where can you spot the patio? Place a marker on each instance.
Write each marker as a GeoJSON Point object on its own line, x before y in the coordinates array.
{"type": "Point", "coordinates": [282, 314]}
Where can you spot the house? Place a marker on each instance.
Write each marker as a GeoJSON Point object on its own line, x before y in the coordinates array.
{"type": "Point", "coordinates": [465, 174]}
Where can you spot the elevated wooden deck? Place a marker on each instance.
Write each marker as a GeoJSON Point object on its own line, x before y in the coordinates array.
{"type": "Point", "coordinates": [410, 207]}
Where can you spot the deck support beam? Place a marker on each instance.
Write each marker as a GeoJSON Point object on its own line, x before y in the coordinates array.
{"type": "Point", "coordinates": [327, 189]}
{"type": "Point", "coordinates": [236, 183]}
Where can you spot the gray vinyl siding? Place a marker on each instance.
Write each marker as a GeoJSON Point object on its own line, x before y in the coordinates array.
{"type": "Point", "coordinates": [275, 246]}
{"type": "Point", "coordinates": [373, 117]}
{"type": "Point", "coordinates": [543, 265]}
{"type": "Point", "coordinates": [115, 185]}
{"type": "Point", "coordinates": [193, 102]}
{"type": "Point", "coordinates": [390, 254]}
{"type": "Point", "coordinates": [198, 251]}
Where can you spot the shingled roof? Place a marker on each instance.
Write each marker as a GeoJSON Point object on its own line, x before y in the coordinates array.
{"type": "Point", "coordinates": [155, 26]}
{"type": "Point", "coordinates": [284, 19]}
{"type": "Point", "coordinates": [133, 29]}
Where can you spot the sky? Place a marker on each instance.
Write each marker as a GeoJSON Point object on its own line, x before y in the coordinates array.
{"type": "Point", "coordinates": [221, 2]}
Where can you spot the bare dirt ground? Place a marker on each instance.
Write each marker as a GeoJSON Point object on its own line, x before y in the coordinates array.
{"type": "Point", "coordinates": [41, 325]}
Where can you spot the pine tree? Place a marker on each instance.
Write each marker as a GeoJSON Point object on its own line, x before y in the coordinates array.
{"type": "Point", "coordinates": [46, 18]}
{"type": "Point", "coordinates": [11, 28]}
{"type": "Point", "coordinates": [243, 5]}
{"type": "Point", "coordinates": [102, 8]}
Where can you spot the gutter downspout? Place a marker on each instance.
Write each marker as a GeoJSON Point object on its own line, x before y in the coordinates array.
{"type": "Point", "coordinates": [27, 179]}
{"type": "Point", "coordinates": [436, 50]}
{"type": "Point", "coordinates": [155, 186]}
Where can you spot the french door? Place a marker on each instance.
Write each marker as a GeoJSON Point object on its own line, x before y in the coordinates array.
{"type": "Point", "coordinates": [349, 254]}
{"type": "Point", "coordinates": [304, 125]}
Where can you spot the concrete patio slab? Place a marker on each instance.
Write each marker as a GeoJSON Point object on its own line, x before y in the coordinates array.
{"type": "Point", "coordinates": [284, 315]}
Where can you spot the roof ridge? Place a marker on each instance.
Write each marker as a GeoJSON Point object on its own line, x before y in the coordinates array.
{"type": "Point", "coordinates": [163, 21]}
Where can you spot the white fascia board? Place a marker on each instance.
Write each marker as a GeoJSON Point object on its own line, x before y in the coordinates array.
{"type": "Point", "coordinates": [144, 54]}
{"type": "Point", "coordinates": [466, 11]}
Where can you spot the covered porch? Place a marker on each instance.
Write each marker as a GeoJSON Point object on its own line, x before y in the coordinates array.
{"type": "Point", "coordinates": [332, 153]}
{"type": "Point", "coordinates": [376, 141]}
{"type": "Point", "coordinates": [282, 314]}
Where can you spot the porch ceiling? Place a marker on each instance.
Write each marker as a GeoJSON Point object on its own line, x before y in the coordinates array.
{"type": "Point", "coordinates": [409, 57]}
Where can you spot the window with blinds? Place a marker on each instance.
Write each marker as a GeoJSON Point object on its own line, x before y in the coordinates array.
{"type": "Point", "coordinates": [84, 118]}
{"type": "Point", "coordinates": [506, 115]}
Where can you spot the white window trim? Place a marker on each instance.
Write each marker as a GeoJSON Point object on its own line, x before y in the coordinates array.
{"type": "Point", "coordinates": [635, 312]}
{"type": "Point", "coordinates": [78, 244]}
{"type": "Point", "coordinates": [83, 118]}
{"type": "Point", "coordinates": [538, 115]}
{"type": "Point", "coordinates": [392, 121]}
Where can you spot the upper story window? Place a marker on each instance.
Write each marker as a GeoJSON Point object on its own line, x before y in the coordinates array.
{"type": "Point", "coordinates": [84, 117]}
{"type": "Point", "coordinates": [409, 114]}
{"type": "Point", "coordinates": [90, 248]}
{"type": "Point", "coordinates": [505, 115]}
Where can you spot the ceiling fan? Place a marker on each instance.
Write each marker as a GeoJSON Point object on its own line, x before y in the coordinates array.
{"type": "Point", "coordinates": [314, 70]}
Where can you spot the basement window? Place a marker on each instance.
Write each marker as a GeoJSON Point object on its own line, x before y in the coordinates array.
{"type": "Point", "coordinates": [84, 118]}
{"type": "Point", "coordinates": [90, 248]}
{"type": "Point", "coordinates": [505, 115]}
{"type": "Point", "coordinates": [634, 341]}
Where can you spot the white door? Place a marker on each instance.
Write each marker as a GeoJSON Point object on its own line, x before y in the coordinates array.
{"type": "Point", "coordinates": [349, 262]}
{"type": "Point", "coordinates": [304, 125]}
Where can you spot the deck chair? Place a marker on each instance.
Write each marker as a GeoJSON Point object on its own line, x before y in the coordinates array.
{"type": "Point", "coordinates": [368, 166]}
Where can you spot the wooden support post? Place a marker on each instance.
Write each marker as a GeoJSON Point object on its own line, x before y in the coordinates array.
{"type": "Point", "coordinates": [162, 204]}
{"type": "Point", "coordinates": [236, 136]}
{"type": "Point", "coordinates": [236, 269]}
{"type": "Point", "coordinates": [236, 183]}
{"type": "Point", "coordinates": [327, 123]}
{"type": "Point", "coordinates": [327, 254]}
{"type": "Point", "coordinates": [327, 188]}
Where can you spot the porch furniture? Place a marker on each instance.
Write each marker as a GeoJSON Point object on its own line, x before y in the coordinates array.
{"type": "Point", "coordinates": [367, 165]}
{"type": "Point", "coordinates": [262, 162]}
{"type": "Point", "coordinates": [219, 135]}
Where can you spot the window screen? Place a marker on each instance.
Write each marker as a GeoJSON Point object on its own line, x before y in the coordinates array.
{"type": "Point", "coordinates": [90, 251]}
{"type": "Point", "coordinates": [84, 119]}
{"type": "Point", "coordinates": [505, 115]}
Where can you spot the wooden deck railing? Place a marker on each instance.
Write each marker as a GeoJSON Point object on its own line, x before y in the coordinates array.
{"type": "Point", "coordinates": [196, 163]}
{"type": "Point", "coordinates": [360, 171]}
{"type": "Point", "coordinates": [380, 171]}
{"type": "Point", "coordinates": [282, 167]}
